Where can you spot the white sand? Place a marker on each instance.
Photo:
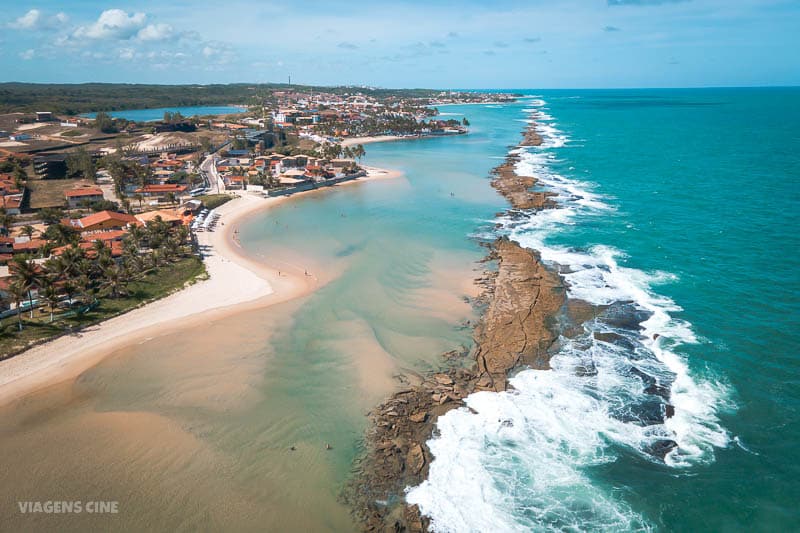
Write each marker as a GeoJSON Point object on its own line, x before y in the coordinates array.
{"type": "Point", "coordinates": [352, 141]}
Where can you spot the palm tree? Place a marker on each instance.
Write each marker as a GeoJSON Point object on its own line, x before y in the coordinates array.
{"type": "Point", "coordinates": [28, 231]}
{"type": "Point", "coordinates": [60, 234]}
{"type": "Point", "coordinates": [139, 198]}
{"type": "Point", "coordinates": [28, 274]}
{"type": "Point", "coordinates": [359, 152]}
{"type": "Point", "coordinates": [50, 215]}
{"type": "Point", "coordinates": [86, 286]}
{"type": "Point", "coordinates": [6, 220]}
{"type": "Point", "coordinates": [155, 258]}
{"type": "Point", "coordinates": [115, 280]}
{"type": "Point", "coordinates": [53, 297]}
{"type": "Point", "coordinates": [17, 293]}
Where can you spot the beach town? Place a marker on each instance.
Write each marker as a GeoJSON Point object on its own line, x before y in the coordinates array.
{"type": "Point", "coordinates": [114, 218]}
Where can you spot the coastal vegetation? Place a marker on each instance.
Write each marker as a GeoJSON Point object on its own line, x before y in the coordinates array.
{"type": "Point", "coordinates": [80, 286]}
{"type": "Point", "coordinates": [73, 99]}
{"type": "Point", "coordinates": [212, 201]}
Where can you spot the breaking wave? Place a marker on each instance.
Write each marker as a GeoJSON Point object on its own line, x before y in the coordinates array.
{"type": "Point", "coordinates": [523, 459]}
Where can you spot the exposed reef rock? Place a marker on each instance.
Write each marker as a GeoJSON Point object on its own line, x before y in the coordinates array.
{"type": "Point", "coordinates": [517, 328]}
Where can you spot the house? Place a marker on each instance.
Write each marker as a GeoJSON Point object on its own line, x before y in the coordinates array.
{"type": "Point", "coordinates": [103, 220]}
{"type": "Point", "coordinates": [28, 246]}
{"type": "Point", "coordinates": [12, 204]}
{"type": "Point", "coordinates": [44, 116]}
{"type": "Point", "coordinates": [83, 196]}
{"type": "Point", "coordinates": [235, 182]}
{"type": "Point", "coordinates": [19, 137]}
{"type": "Point", "coordinates": [6, 245]}
{"type": "Point", "coordinates": [8, 186]}
{"type": "Point", "coordinates": [161, 190]}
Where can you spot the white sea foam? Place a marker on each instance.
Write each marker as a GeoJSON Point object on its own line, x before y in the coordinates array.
{"type": "Point", "coordinates": [521, 460]}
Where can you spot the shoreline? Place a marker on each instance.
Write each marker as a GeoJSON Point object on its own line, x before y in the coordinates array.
{"type": "Point", "coordinates": [236, 283]}
{"type": "Point", "coordinates": [370, 139]}
{"type": "Point", "coordinates": [520, 299]}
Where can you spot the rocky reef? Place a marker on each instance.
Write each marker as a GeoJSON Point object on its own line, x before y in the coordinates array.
{"type": "Point", "coordinates": [519, 301]}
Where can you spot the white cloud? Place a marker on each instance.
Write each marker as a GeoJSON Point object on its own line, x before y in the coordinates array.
{"type": "Point", "coordinates": [28, 54]}
{"type": "Point", "coordinates": [34, 19]}
{"type": "Point", "coordinates": [155, 32]}
{"type": "Point", "coordinates": [113, 24]}
{"type": "Point", "coordinates": [127, 53]}
{"type": "Point", "coordinates": [28, 21]}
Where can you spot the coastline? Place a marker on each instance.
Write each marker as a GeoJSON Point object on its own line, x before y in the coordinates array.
{"type": "Point", "coordinates": [520, 301]}
{"type": "Point", "coordinates": [236, 283]}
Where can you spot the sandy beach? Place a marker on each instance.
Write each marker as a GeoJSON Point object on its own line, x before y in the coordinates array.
{"type": "Point", "coordinates": [352, 141]}
{"type": "Point", "coordinates": [236, 283]}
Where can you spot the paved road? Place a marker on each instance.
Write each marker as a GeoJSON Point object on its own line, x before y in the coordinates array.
{"type": "Point", "coordinates": [210, 171]}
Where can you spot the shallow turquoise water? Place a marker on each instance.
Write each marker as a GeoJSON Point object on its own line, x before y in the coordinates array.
{"type": "Point", "coordinates": [149, 115]}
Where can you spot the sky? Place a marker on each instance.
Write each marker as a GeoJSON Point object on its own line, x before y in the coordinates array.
{"type": "Point", "coordinates": [405, 43]}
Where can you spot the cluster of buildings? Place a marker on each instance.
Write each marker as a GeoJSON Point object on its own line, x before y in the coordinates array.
{"type": "Point", "coordinates": [242, 168]}
{"type": "Point", "coordinates": [11, 194]}
{"type": "Point", "coordinates": [108, 227]}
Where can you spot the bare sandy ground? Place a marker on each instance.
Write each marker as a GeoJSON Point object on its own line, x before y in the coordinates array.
{"type": "Point", "coordinates": [236, 283]}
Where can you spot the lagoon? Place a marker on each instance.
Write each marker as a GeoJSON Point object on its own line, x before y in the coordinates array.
{"type": "Point", "coordinates": [151, 115]}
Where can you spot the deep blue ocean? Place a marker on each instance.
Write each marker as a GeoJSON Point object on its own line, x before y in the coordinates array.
{"type": "Point", "coordinates": [678, 410]}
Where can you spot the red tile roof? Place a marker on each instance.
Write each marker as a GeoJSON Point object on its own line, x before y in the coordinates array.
{"type": "Point", "coordinates": [29, 246]}
{"type": "Point", "coordinates": [84, 191]}
{"type": "Point", "coordinates": [104, 216]}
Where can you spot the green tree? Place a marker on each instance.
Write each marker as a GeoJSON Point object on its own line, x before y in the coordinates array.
{"type": "Point", "coordinates": [115, 280]}
{"type": "Point", "coordinates": [17, 293]}
{"type": "Point", "coordinates": [61, 235]}
{"type": "Point", "coordinates": [50, 215]}
{"type": "Point", "coordinates": [105, 123]}
{"type": "Point", "coordinates": [26, 274]}
{"type": "Point", "coordinates": [28, 231]}
{"type": "Point", "coordinates": [81, 163]}
{"type": "Point", "coordinates": [6, 220]}
{"type": "Point", "coordinates": [52, 295]}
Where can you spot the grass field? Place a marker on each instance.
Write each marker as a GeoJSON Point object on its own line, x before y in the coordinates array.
{"type": "Point", "coordinates": [212, 201]}
{"type": "Point", "coordinates": [152, 287]}
{"type": "Point", "coordinates": [50, 193]}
